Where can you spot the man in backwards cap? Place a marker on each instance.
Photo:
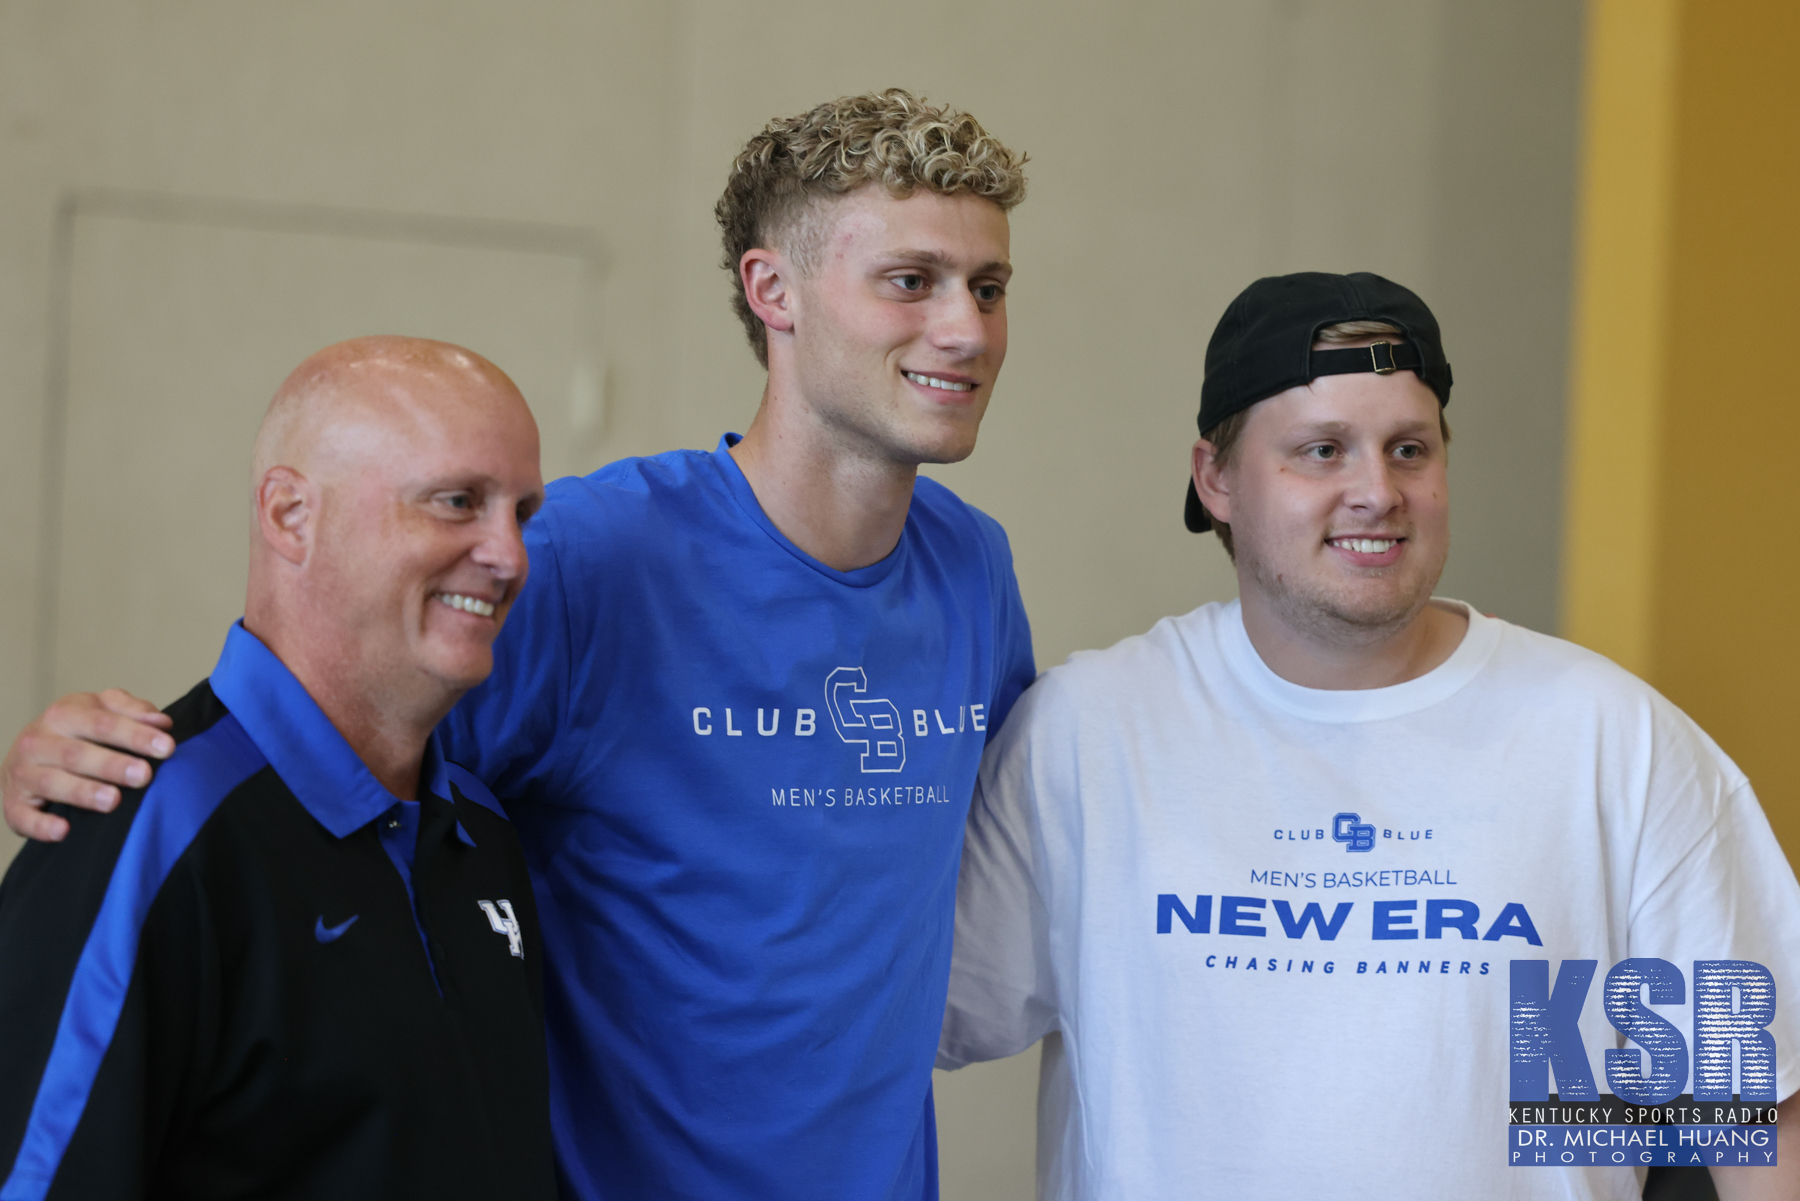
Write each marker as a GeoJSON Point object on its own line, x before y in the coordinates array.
{"type": "Point", "coordinates": [1286, 876]}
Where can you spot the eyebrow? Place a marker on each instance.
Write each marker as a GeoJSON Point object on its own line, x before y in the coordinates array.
{"type": "Point", "coordinates": [937, 258]}
{"type": "Point", "coordinates": [454, 481]}
{"type": "Point", "coordinates": [1342, 427]}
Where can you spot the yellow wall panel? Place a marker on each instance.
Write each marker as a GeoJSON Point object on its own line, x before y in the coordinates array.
{"type": "Point", "coordinates": [1681, 537]}
{"type": "Point", "coordinates": [1727, 648]}
{"type": "Point", "coordinates": [1621, 321]}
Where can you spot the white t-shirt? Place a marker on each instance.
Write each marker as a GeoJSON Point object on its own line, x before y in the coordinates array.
{"type": "Point", "coordinates": [1525, 800]}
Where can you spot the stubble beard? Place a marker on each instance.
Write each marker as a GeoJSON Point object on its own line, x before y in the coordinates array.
{"type": "Point", "coordinates": [1344, 617]}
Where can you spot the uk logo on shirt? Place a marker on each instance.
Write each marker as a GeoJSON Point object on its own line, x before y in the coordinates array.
{"type": "Point", "coordinates": [504, 921]}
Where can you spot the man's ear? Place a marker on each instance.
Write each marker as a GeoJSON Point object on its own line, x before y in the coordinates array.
{"type": "Point", "coordinates": [287, 510]}
{"type": "Point", "coordinates": [1210, 483]}
{"type": "Point", "coordinates": [768, 287]}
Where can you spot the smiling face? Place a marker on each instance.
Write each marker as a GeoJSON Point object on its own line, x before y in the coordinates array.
{"type": "Point", "coordinates": [419, 543]}
{"type": "Point", "coordinates": [392, 478]}
{"type": "Point", "coordinates": [1338, 501]}
{"type": "Point", "coordinates": [899, 322]}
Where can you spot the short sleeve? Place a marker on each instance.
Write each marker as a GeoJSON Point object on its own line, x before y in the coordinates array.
{"type": "Point", "coordinates": [1015, 666]}
{"type": "Point", "coordinates": [1002, 987]}
{"type": "Point", "coordinates": [505, 729]}
{"type": "Point", "coordinates": [1733, 895]}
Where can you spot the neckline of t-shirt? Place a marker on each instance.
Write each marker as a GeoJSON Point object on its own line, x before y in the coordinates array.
{"type": "Point", "coordinates": [745, 496]}
{"type": "Point", "coordinates": [1343, 706]}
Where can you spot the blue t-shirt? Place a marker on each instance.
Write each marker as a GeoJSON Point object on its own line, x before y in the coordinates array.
{"type": "Point", "coordinates": [741, 778]}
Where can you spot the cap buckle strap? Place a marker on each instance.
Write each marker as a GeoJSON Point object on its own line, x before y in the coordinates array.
{"type": "Point", "coordinates": [1386, 351]}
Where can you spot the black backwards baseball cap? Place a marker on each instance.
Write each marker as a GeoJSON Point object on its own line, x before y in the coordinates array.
{"type": "Point", "coordinates": [1263, 345]}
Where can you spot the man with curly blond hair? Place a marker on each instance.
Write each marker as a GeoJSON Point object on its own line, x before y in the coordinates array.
{"type": "Point", "coordinates": [739, 710]}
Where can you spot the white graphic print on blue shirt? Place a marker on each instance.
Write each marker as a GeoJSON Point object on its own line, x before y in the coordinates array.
{"type": "Point", "coordinates": [741, 779]}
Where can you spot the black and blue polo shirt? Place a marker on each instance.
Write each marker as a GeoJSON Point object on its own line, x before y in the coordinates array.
{"type": "Point", "coordinates": [265, 976]}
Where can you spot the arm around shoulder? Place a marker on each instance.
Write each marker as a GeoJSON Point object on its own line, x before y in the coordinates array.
{"type": "Point", "coordinates": [67, 757]}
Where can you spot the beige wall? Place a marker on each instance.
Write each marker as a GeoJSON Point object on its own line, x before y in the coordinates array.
{"type": "Point", "coordinates": [1179, 150]}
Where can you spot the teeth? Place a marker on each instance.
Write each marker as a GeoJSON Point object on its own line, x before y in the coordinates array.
{"type": "Point", "coordinates": [1365, 546]}
{"type": "Point", "coordinates": [932, 381]}
{"type": "Point", "coordinates": [467, 604]}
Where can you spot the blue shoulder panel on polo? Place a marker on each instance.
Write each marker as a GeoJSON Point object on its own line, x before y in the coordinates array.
{"type": "Point", "coordinates": [187, 790]}
{"type": "Point", "coordinates": [302, 745]}
{"type": "Point", "coordinates": [306, 750]}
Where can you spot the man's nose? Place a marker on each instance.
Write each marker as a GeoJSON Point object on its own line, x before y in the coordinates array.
{"type": "Point", "coordinates": [1373, 488]}
{"type": "Point", "coordinates": [957, 326]}
{"type": "Point", "coordinates": [502, 547]}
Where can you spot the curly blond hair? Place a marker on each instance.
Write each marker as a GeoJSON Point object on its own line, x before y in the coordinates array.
{"type": "Point", "coordinates": [891, 138]}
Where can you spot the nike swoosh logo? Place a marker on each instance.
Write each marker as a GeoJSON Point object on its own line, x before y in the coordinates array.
{"type": "Point", "coordinates": [325, 933]}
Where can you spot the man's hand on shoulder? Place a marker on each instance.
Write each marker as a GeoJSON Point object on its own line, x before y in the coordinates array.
{"type": "Point", "coordinates": [68, 756]}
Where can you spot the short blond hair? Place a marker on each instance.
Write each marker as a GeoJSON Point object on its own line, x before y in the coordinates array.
{"type": "Point", "coordinates": [1344, 332]}
{"type": "Point", "coordinates": [890, 138]}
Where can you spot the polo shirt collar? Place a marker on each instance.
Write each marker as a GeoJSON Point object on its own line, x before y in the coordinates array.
{"type": "Point", "coordinates": [301, 744]}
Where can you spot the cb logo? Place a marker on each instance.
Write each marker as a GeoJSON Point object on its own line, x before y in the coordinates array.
{"type": "Point", "coordinates": [1351, 830]}
{"type": "Point", "coordinates": [872, 723]}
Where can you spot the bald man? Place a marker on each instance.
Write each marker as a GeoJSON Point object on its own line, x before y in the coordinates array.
{"type": "Point", "coordinates": [306, 963]}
